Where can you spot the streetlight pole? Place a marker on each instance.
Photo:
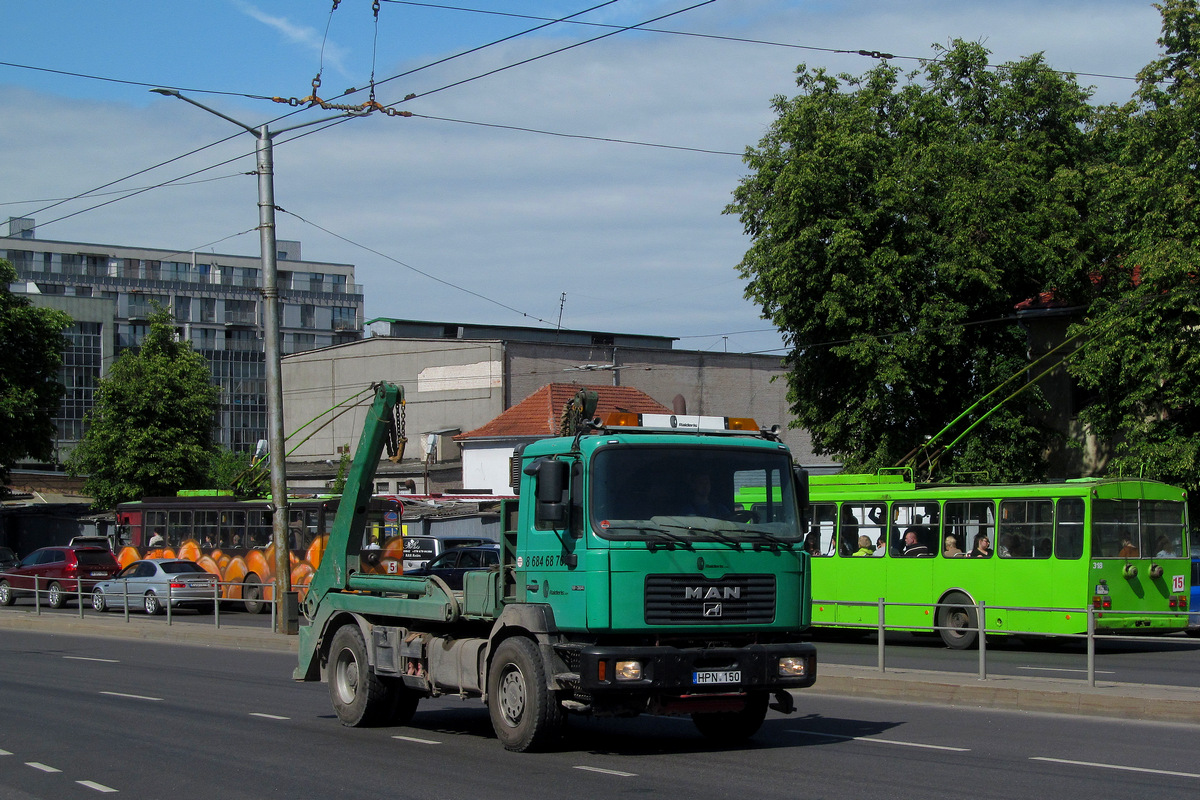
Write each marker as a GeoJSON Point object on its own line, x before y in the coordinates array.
{"type": "Point", "coordinates": [264, 157]}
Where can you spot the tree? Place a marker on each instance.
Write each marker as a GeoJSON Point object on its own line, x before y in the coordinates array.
{"type": "Point", "coordinates": [32, 340]}
{"type": "Point", "coordinates": [1143, 359]}
{"type": "Point", "coordinates": [151, 430]}
{"type": "Point", "coordinates": [895, 225]}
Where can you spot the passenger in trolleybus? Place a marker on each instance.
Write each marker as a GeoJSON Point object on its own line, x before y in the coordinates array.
{"type": "Point", "coordinates": [982, 547]}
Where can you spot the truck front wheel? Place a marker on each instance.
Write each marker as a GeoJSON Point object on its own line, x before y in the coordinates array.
{"type": "Point", "coordinates": [359, 697]}
{"type": "Point", "coordinates": [734, 726]}
{"type": "Point", "coordinates": [525, 713]}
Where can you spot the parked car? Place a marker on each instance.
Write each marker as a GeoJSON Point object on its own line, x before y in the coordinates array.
{"type": "Point", "coordinates": [59, 573]}
{"type": "Point", "coordinates": [102, 542]}
{"type": "Point", "coordinates": [153, 582]}
{"type": "Point", "coordinates": [419, 550]}
{"type": "Point", "coordinates": [452, 565]}
{"type": "Point", "coordinates": [8, 559]}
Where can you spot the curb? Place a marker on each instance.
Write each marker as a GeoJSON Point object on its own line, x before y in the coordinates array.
{"type": "Point", "coordinates": [1046, 695]}
{"type": "Point", "coordinates": [238, 637]}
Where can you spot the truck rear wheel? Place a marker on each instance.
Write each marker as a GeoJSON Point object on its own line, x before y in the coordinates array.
{"type": "Point", "coordinates": [359, 697]}
{"type": "Point", "coordinates": [525, 713]}
{"type": "Point", "coordinates": [734, 726]}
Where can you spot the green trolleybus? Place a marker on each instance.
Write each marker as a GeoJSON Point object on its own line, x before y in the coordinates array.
{"type": "Point", "coordinates": [939, 550]}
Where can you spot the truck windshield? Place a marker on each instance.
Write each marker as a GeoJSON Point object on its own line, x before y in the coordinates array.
{"type": "Point", "coordinates": [675, 495]}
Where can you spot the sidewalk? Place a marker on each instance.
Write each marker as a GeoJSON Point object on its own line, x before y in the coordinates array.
{"type": "Point", "coordinates": [1046, 695]}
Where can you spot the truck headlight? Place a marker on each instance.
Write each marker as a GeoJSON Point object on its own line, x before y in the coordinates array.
{"type": "Point", "coordinates": [793, 667]}
{"type": "Point", "coordinates": [628, 671]}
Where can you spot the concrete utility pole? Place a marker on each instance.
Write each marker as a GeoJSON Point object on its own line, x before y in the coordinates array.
{"type": "Point", "coordinates": [270, 292]}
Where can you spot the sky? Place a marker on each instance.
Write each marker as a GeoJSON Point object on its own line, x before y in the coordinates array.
{"type": "Point", "coordinates": [582, 188]}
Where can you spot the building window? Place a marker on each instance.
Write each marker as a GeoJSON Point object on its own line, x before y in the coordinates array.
{"type": "Point", "coordinates": [344, 319]}
{"type": "Point", "coordinates": [183, 309]}
{"type": "Point", "coordinates": [241, 312]}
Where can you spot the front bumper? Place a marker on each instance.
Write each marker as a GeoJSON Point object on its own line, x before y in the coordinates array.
{"type": "Point", "coordinates": [695, 670]}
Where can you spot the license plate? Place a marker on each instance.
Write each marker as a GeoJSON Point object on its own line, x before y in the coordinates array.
{"type": "Point", "coordinates": [200, 585]}
{"type": "Point", "coordinates": [720, 676]}
{"type": "Point", "coordinates": [99, 574]}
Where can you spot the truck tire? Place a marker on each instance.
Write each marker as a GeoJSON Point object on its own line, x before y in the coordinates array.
{"type": "Point", "coordinates": [359, 697]}
{"type": "Point", "coordinates": [734, 726]}
{"type": "Point", "coordinates": [403, 702]}
{"type": "Point", "coordinates": [957, 622]}
{"type": "Point", "coordinates": [525, 713]}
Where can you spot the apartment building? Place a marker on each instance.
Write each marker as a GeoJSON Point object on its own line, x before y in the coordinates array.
{"type": "Point", "coordinates": [216, 300]}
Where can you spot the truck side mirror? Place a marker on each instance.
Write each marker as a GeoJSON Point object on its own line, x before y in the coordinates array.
{"type": "Point", "coordinates": [800, 483]}
{"type": "Point", "coordinates": [551, 478]}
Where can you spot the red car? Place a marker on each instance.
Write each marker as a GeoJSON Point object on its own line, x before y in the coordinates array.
{"type": "Point", "coordinates": [60, 573]}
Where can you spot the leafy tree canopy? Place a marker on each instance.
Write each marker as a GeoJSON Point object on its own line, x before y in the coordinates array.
{"type": "Point", "coordinates": [32, 340]}
{"type": "Point", "coordinates": [896, 220]}
{"type": "Point", "coordinates": [151, 430]}
{"type": "Point", "coordinates": [1143, 358]}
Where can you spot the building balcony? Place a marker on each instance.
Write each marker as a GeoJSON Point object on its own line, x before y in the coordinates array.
{"type": "Point", "coordinates": [246, 318]}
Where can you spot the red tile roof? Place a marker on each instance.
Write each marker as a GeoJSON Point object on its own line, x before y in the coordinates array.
{"type": "Point", "coordinates": [539, 414]}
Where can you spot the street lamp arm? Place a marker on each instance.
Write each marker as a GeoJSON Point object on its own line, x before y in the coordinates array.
{"type": "Point", "coordinates": [258, 132]}
{"type": "Point", "coordinates": [227, 118]}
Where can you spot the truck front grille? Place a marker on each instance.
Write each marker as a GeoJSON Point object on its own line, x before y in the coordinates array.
{"type": "Point", "coordinates": [696, 600]}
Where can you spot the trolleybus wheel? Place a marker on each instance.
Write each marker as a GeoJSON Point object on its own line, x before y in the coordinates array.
{"type": "Point", "coordinates": [957, 622]}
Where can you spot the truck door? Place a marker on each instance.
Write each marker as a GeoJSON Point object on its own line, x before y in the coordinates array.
{"type": "Point", "coordinates": [548, 559]}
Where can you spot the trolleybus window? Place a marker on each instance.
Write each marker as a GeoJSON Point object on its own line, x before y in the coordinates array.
{"type": "Point", "coordinates": [1026, 528]}
{"type": "Point", "coordinates": [969, 522]}
{"type": "Point", "coordinates": [1068, 529]}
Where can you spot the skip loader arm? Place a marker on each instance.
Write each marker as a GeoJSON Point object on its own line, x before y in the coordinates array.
{"type": "Point", "coordinates": [347, 533]}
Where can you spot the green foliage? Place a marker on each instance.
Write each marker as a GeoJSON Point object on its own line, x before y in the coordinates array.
{"type": "Point", "coordinates": [32, 340]}
{"type": "Point", "coordinates": [225, 468]}
{"type": "Point", "coordinates": [151, 430]}
{"type": "Point", "coordinates": [339, 483]}
{"type": "Point", "coordinates": [896, 222]}
{"type": "Point", "coordinates": [1143, 362]}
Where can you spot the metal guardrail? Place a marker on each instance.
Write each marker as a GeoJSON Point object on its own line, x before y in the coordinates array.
{"type": "Point", "coordinates": [981, 630]}
{"type": "Point", "coordinates": [43, 587]}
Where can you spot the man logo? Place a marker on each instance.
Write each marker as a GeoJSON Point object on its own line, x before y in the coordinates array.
{"type": "Point", "coordinates": [712, 593]}
{"type": "Point", "coordinates": [712, 609]}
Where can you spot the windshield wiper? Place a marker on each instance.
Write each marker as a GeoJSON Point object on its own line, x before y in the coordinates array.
{"type": "Point", "coordinates": [655, 530]}
{"type": "Point", "coordinates": [716, 533]}
{"type": "Point", "coordinates": [790, 544]}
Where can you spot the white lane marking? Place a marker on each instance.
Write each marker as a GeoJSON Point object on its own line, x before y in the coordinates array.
{"type": "Point", "coordinates": [132, 696]}
{"type": "Point", "coordinates": [99, 787]}
{"type": "Point", "coordinates": [41, 766]}
{"type": "Point", "coordinates": [1117, 766]}
{"type": "Point", "coordinates": [86, 658]}
{"type": "Point", "coordinates": [1064, 669]}
{"type": "Point", "coordinates": [884, 741]}
{"type": "Point", "coordinates": [5, 753]}
{"type": "Point", "coordinates": [267, 716]}
{"type": "Point", "coordinates": [415, 739]}
{"type": "Point", "coordinates": [608, 772]}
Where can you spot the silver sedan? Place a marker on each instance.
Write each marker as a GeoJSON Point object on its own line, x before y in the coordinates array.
{"type": "Point", "coordinates": [153, 582]}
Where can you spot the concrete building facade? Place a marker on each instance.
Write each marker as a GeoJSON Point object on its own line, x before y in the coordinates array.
{"type": "Point", "coordinates": [217, 304]}
{"type": "Point", "coordinates": [454, 385]}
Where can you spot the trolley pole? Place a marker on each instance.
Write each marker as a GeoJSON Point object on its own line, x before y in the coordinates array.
{"type": "Point", "coordinates": [265, 163]}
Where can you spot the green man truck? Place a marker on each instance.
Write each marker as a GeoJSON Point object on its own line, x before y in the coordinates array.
{"type": "Point", "coordinates": [630, 582]}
